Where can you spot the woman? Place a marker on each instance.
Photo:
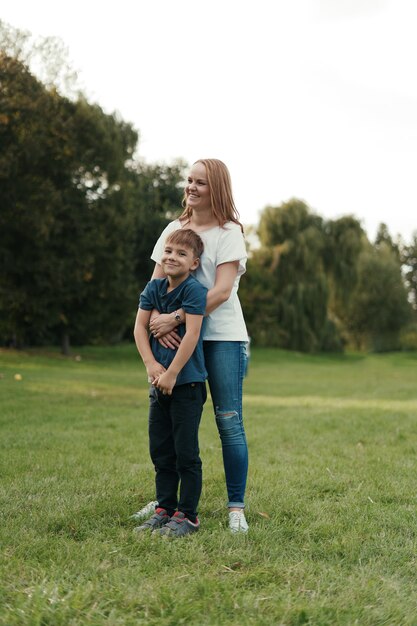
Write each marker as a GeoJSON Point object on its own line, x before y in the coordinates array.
{"type": "Point", "coordinates": [209, 210]}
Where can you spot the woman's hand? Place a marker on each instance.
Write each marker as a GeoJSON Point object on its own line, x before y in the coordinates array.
{"type": "Point", "coordinates": [163, 328]}
{"type": "Point", "coordinates": [162, 324]}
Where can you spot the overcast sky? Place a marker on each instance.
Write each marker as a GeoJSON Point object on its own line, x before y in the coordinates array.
{"type": "Point", "coordinates": [314, 99]}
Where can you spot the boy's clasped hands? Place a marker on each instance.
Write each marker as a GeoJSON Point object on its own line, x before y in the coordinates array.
{"type": "Point", "coordinates": [161, 379]}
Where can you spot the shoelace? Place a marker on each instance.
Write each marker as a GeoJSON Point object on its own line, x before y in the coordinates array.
{"type": "Point", "coordinates": [235, 516]}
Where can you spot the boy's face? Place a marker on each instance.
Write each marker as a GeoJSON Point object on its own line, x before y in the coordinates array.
{"type": "Point", "coordinates": [178, 260]}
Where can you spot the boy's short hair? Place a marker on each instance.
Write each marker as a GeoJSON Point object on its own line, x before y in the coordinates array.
{"type": "Point", "coordinates": [188, 238]}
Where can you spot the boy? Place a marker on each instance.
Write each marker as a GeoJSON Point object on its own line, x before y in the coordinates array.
{"type": "Point", "coordinates": [178, 389]}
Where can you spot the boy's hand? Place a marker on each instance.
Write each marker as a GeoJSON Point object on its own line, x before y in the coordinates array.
{"type": "Point", "coordinates": [154, 371]}
{"type": "Point", "coordinates": [165, 383]}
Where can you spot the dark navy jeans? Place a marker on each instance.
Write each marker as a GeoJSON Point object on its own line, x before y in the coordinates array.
{"type": "Point", "coordinates": [173, 442]}
{"type": "Point", "coordinates": [226, 363]}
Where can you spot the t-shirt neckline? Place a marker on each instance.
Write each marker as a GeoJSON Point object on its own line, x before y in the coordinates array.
{"type": "Point", "coordinates": [207, 230]}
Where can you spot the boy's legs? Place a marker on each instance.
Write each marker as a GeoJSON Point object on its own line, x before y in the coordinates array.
{"type": "Point", "coordinates": [162, 451]}
{"type": "Point", "coordinates": [186, 408]}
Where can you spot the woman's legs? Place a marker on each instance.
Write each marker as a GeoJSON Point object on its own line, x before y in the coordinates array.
{"type": "Point", "coordinates": [226, 364]}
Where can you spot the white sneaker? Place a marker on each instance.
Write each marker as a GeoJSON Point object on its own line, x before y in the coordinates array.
{"type": "Point", "coordinates": [146, 511]}
{"type": "Point", "coordinates": [237, 522]}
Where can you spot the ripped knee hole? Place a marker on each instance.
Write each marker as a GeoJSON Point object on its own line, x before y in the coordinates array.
{"type": "Point", "coordinates": [221, 414]}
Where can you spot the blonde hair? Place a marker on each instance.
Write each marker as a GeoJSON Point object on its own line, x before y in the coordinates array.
{"type": "Point", "coordinates": [187, 238]}
{"type": "Point", "coordinates": [220, 185]}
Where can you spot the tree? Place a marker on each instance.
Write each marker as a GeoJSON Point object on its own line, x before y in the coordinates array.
{"type": "Point", "coordinates": [345, 239]}
{"type": "Point", "coordinates": [383, 239]}
{"type": "Point", "coordinates": [379, 307]}
{"type": "Point", "coordinates": [299, 282]}
{"type": "Point", "coordinates": [31, 131]}
{"type": "Point", "coordinates": [155, 192]}
{"type": "Point", "coordinates": [45, 57]}
{"type": "Point", "coordinates": [61, 166]}
{"type": "Point", "coordinates": [150, 196]}
{"type": "Point", "coordinates": [291, 269]}
{"type": "Point", "coordinates": [97, 253]}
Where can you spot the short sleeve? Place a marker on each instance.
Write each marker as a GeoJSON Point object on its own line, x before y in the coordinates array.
{"type": "Point", "coordinates": [159, 246]}
{"type": "Point", "coordinates": [232, 247]}
{"type": "Point", "coordinates": [146, 299]}
{"type": "Point", "coordinates": [194, 298]}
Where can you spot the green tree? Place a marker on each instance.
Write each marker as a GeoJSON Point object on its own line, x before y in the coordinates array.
{"type": "Point", "coordinates": [379, 307]}
{"type": "Point", "coordinates": [31, 130]}
{"type": "Point", "coordinates": [93, 227]}
{"type": "Point", "coordinates": [383, 239]}
{"type": "Point", "coordinates": [46, 57]}
{"type": "Point", "coordinates": [259, 300]}
{"type": "Point", "coordinates": [156, 192]}
{"type": "Point", "coordinates": [61, 165]}
{"type": "Point", "coordinates": [292, 264]}
{"type": "Point", "coordinates": [345, 239]}
{"type": "Point", "coordinates": [299, 281]}
{"type": "Point", "coordinates": [151, 197]}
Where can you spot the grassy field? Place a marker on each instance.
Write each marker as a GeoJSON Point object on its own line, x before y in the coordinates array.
{"type": "Point", "coordinates": [332, 497]}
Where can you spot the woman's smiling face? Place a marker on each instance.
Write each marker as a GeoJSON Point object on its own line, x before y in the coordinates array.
{"type": "Point", "coordinates": [197, 189]}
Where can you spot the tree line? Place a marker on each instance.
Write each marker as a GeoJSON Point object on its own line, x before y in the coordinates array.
{"type": "Point", "coordinates": [79, 215]}
{"type": "Point", "coordinates": [321, 285]}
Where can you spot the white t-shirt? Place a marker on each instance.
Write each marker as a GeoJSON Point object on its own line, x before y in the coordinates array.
{"type": "Point", "coordinates": [221, 245]}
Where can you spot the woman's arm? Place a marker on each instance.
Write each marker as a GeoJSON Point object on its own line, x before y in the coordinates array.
{"type": "Point", "coordinates": [220, 292]}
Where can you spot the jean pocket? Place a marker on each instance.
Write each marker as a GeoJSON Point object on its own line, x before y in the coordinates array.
{"type": "Point", "coordinates": [153, 395]}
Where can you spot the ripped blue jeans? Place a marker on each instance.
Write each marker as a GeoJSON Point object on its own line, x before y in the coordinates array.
{"type": "Point", "coordinates": [226, 363]}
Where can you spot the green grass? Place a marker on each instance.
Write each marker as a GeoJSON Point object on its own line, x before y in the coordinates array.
{"type": "Point", "coordinates": [332, 497]}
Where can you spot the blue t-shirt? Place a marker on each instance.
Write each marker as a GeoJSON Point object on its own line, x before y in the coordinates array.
{"type": "Point", "coordinates": [190, 296]}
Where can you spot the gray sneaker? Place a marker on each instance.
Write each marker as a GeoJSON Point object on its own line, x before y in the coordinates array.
{"type": "Point", "coordinates": [158, 520]}
{"type": "Point", "coordinates": [178, 526]}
